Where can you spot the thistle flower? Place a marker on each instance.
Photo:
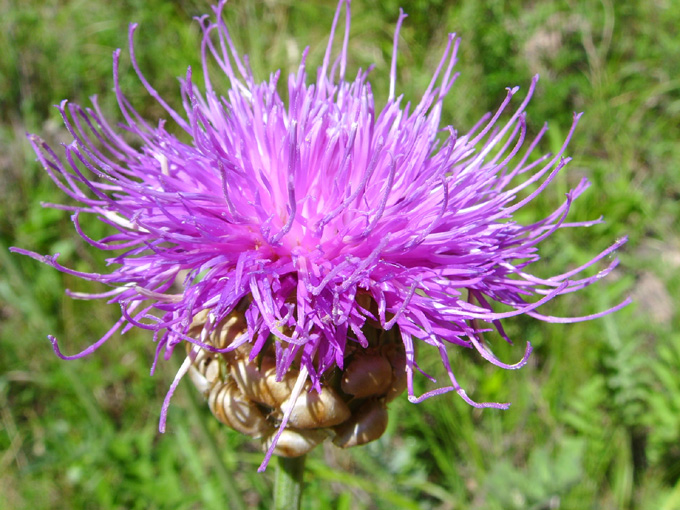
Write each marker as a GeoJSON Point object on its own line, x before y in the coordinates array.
{"type": "Point", "coordinates": [327, 227]}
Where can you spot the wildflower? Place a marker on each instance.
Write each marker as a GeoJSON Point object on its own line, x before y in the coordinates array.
{"type": "Point", "coordinates": [316, 238]}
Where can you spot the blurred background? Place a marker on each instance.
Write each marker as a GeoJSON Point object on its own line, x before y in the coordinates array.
{"type": "Point", "coordinates": [595, 415]}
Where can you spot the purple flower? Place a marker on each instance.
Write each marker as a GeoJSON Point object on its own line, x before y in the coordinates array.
{"type": "Point", "coordinates": [317, 215]}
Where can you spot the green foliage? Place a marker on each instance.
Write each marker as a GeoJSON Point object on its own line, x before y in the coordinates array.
{"type": "Point", "coordinates": [595, 420]}
{"type": "Point", "coordinates": [663, 417]}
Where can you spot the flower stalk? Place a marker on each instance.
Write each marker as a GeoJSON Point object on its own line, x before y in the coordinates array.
{"type": "Point", "coordinates": [289, 483]}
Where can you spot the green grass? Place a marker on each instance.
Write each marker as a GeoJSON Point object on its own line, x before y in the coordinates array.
{"type": "Point", "coordinates": [595, 420]}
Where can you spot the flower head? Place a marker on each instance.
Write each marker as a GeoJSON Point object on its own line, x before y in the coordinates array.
{"type": "Point", "coordinates": [321, 218]}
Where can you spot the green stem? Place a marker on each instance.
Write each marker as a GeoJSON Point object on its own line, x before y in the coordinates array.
{"type": "Point", "coordinates": [288, 484]}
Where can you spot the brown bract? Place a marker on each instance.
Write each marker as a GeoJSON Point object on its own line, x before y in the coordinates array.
{"type": "Point", "coordinates": [247, 396]}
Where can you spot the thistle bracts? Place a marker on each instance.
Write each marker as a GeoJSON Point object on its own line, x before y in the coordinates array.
{"type": "Point", "coordinates": [245, 393]}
